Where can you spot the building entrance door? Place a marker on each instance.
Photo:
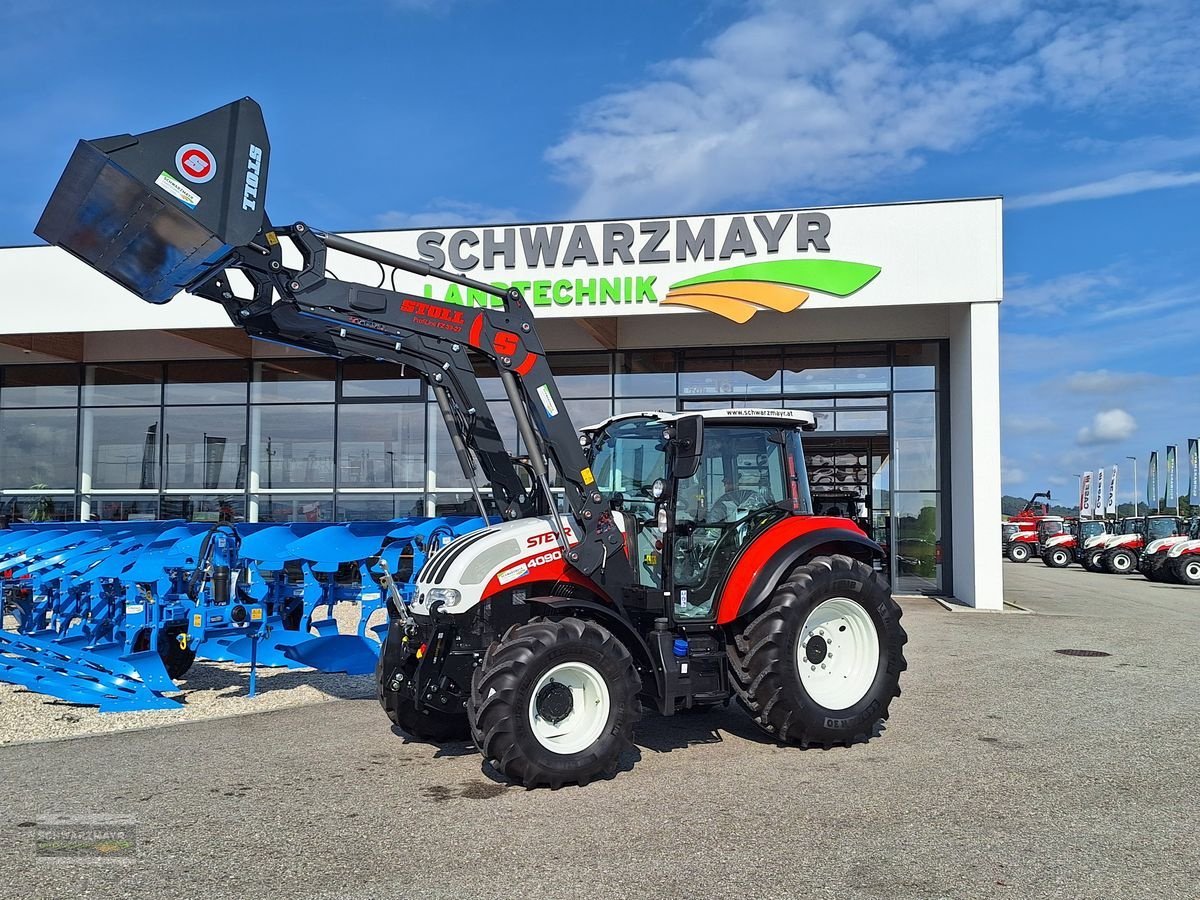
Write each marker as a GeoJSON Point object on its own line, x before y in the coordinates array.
{"type": "Point", "coordinates": [849, 478]}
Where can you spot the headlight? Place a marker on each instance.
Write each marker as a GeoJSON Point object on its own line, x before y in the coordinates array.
{"type": "Point", "coordinates": [448, 597]}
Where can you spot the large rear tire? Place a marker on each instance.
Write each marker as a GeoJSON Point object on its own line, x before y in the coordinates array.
{"type": "Point", "coordinates": [1019, 552]}
{"type": "Point", "coordinates": [821, 664]}
{"type": "Point", "coordinates": [1057, 558]}
{"type": "Point", "coordinates": [554, 703]}
{"type": "Point", "coordinates": [393, 687]}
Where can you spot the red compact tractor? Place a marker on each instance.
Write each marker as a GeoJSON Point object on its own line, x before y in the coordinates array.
{"type": "Point", "coordinates": [689, 570]}
{"type": "Point", "coordinates": [1123, 550]}
{"type": "Point", "coordinates": [1175, 558]}
{"type": "Point", "coordinates": [1060, 550]}
{"type": "Point", "coordinates": [1024, 542]}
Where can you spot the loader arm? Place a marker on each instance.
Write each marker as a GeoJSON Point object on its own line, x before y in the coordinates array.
{"type": "Point", "coordinates": [176, 208]}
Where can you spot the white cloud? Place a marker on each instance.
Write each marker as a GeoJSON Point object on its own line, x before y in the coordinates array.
{"type": "Point", "coordinates": [1117, 186]}
{"type": "Point", "coordinates": [1108, 427]}
{"type": "Point", "coordinates": [1058, 295]}
{"type": "Point", "coordinates": [1103, 381]}
{"type": "Point", "coordinates": [822, 99]}
{"type": "Point", "coordinates": [447, 213]}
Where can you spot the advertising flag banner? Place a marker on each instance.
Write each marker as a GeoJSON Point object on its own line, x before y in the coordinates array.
{"type": "Point", "coordinates": [1152, 483]}
{"type": "Point", "coordinates": [1194, 460]}
{"type": "Point", "coordinates": [1085, 494]}
{"type": "Point", "coordinates": [1098, 493]}
{"type": "Point", "coordinates": [1172, 495]}
{"type": "Point", "coordinates": [1110, 505]}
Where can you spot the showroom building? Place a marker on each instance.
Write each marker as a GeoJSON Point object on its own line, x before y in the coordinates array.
{"type": "Point", "coordinates": [881, 319]}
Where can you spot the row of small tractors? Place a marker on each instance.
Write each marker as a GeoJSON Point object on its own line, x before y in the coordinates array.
{"type": "Point", "coordinates": [1161, 547]}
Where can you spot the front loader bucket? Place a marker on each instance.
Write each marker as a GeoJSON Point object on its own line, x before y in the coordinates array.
{"type": "Point", "coordinates": [160, 211]}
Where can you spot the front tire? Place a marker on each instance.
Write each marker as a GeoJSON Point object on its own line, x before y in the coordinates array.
{"type": "Point", "coordinates": [1091, 561]}
{"type": "Point", "coordinates": [1119, 562]}
{"type": "Point", "coordinates": [554, 703]}
{"type": "Point", "coordinates": [1187, 570]}
{"type": "Point", "coordinates": [821, 664]}
{"type": "Point", "coordinates": [1018, 553]}
{"type": "Point", "coordinates": [394, 675]}
{"type": "Point", "coordinates": [1057, 558]}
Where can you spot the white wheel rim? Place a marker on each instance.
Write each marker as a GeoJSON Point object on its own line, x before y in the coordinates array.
{"type": "Point", "coordinates": [1059, 557]}
{"type": "Point", "coordinates": [585, 722]}
{"type": "Point", "coordinates": [1019, 551]}
{"type": "Point", "coordinates": [1192, 570]}
{"type": "Point", "coordinates": [837, 654]}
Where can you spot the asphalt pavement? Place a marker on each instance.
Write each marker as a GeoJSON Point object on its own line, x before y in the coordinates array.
{"type": "Point", "coordinates": [1007, 770]}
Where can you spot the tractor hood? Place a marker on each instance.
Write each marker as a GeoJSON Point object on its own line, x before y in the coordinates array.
{"type": "Point", "coordinates": [1183, 548]}
{"type": "Point", "coordinates": [1059, 539]}
{"type": "Point", "coordinates": [1096, 541]}
{"type": "Point", "coordinates": [1122, 540]}
{"type": "Point", "coordinates": [501, 556]}
{"type": "Point", "coordinates": [1164, 543]}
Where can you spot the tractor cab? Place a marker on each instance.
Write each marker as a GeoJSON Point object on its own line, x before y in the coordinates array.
{"type": "Point", "coordinates": [1154, 528]}
{"type": "Point", "coordinates": [1050, 526]}
{"type": "Point", "coordinates": [1091, 528]}
{"type": "Point", "coordinates": [695, 491]}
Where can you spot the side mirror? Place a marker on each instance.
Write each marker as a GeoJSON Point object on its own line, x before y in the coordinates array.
{"type": "Point", "coordinates": [688, 446]}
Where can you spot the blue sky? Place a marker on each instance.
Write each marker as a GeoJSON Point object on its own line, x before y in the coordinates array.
{"type": "Point", "coordinates": [1085, 116]}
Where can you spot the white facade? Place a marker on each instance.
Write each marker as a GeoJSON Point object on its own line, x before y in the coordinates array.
{"type": "Point", "coordinates": [605, 286]}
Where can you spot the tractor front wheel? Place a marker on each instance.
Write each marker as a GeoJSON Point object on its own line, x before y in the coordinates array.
{"type": "Point", "coordinates": [394, 686]}
{"type": "Point", "coordinates": [1119, 561]}
{"type": "Point", "coordinates": [821, 664]}
{"type": "Point", "coordinates": [1091, 561]}
{"type": "Point", "coordinates": [1018, 552]}
{"type": "Point", "coordinates": [554, 703]}
{"type": "Point", "coordinates": [1187, 570]}
{"type": "Point", "coordinates": [1057, 558]}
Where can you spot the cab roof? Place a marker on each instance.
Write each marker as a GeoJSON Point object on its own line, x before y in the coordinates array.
{"type": "Point", "coordinates": [799, 418]}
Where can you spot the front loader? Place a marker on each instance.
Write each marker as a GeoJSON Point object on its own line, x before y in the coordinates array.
{"type": "Point", "coordinates": [542, 635]}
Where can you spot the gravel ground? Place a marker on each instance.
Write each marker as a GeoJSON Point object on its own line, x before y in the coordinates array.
{"type": "Point", "coordinates": [210, 690]}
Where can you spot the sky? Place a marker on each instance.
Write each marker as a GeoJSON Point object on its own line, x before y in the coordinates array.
{"type": "Point", "coordinates": [1085, 117]}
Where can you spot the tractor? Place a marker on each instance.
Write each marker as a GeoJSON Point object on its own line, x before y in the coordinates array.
{"type": "Point", "coordinates": [688, 570]}
{"type": "Point", "coordinates": [1029, 542]}
{"type": "Point", "coordinates": [1095, 546]}
{"type": "Point", "coordinates": [1183, 559]}
{"type": "Point", "coordinates": [1060, 550]}
{"type": "Point", "coordinates": [1122, 551]}
{"type": "Point", "coordinates": [1152, 562]}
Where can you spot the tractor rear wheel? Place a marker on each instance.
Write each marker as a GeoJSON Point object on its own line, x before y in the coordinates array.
{"type": "Point", "coordinates": [1018, 552]}
{"type": "Point", "coordinates": [554, 702]}
{"type": "Point", "coordinates": [821, 664]}
{"type": "Point", "coordinates": [1057, 558]}
{"type": "Point", "coordinates": [1119, 561]}
{"type": "Point", "coordinates": [1187, 570]}
{"type": "Point", "coordinates": [394, 687]}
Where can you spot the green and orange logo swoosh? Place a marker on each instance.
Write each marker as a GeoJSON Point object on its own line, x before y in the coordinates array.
{"type": "Point", "coordinates": [741, 291]}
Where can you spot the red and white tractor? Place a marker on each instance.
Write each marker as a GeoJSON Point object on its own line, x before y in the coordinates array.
{"type": "Point", "coordinates": [1182, 564]}
{"type": "Point", "coordinates": [689, 570]}
{"type": "Point", "coordinates": [1123, 550]}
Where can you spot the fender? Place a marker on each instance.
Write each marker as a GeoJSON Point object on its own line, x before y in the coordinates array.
{"type": "Point", "coordinates": [612, 620]}
{"type": "Point", "coordinates": [780, 549]}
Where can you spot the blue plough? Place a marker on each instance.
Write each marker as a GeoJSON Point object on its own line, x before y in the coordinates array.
{"type": "Point", "coordinates": [110, 614]}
